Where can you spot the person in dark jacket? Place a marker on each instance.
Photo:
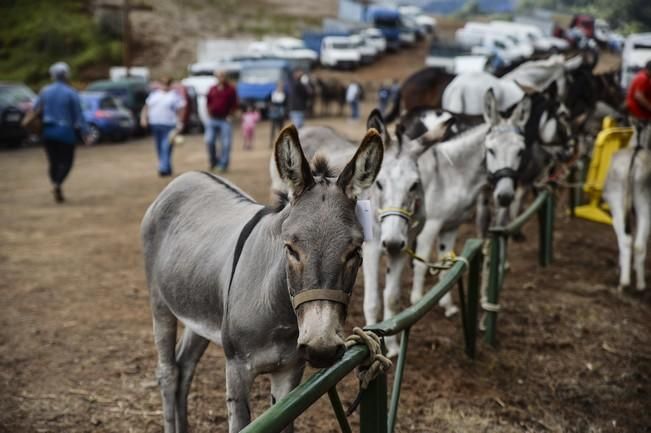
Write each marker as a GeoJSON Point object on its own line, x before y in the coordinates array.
{"type": "Point", "coordinates": [222, 103]}
{"type": "Point", "coordinates": [63, 125]}
{"type": "Point", "coordinates": [277, 111]}
{"type": "Point", "coordinates": [298, 96]}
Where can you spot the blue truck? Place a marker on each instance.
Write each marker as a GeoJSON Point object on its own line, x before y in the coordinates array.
{"type": "Point", "coordinates": [258, 80]}
{"type": "Point", "coordinates": [388, 21]}
{"type": "Point", "coordinates": [312, 39]}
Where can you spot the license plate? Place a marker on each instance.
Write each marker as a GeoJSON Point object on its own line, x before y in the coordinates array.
{"type": "Point", "coordinates": [13, 117]}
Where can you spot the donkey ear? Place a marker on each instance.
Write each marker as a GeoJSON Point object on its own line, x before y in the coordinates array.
{"type": "Point", "coordinates": [361, 171]}
{"type": "Point", "coordinates": [293, 167]}
{"type": "Point", "coordinates": [491, 116]}
{"type": "Point", "coordinates": [436, 127]}
{"type": "Point", "coordinates": [375, 121]}
{"type": "Point", "coordinates": [521, 113]}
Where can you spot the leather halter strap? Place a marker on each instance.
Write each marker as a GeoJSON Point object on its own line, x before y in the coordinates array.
{"type": "Point", "coordinates": [396, 211]}
{"type": "Point", "coordinates": [310, 295]}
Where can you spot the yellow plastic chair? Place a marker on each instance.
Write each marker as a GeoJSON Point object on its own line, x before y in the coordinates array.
{"type": "Point", "coordinates": [611, 139]}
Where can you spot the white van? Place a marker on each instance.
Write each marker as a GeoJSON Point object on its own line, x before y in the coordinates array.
{"type": "Point", "coordinates": [637, 51]}
{"type": "Point", "coordinates": [340, 52]}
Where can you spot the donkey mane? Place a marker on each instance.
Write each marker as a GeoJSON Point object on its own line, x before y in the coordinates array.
{"type": "Point", "coordinates": [228, 186]}
{"type": "Point", "coordinates": [321, 167]}
{"type": "Point", "coordinates": [461, 143]}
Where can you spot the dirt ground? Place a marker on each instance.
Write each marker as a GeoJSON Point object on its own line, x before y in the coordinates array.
{"type": "Point", "coordinates": [76, 348]}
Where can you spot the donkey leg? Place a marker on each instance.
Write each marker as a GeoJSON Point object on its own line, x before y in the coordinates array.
{"type": "Point", "coordinates": [623, 242]}
{"type": "Point", "coordinates": [371, 251]}
{"type": "Point", "coordinates": [166, 372]}
{"type": "Point", "coordinates": [641, 237]}
{"type": "Point", "coordinates": [392, 298]}
{"type": "Point", "coordinates": [423, 249]}
{"type": "Point", "coordinates": [446, 245]}
{"type": "Point", "coordinates": [282, 382]}
{"type": "Point", "coordinates": [239, 379]}
{"type": "Point", "coordinates": [189, 352]}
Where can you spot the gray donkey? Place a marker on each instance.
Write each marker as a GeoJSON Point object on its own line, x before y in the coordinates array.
{"type": "Point", "coordinates": [270, 286]}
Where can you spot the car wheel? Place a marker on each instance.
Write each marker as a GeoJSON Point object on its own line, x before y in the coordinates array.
{"type": "Point", "coordinates": [94, 134]}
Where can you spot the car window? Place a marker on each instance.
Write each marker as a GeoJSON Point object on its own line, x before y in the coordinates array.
{"type": "Point", "coordinates": [10, 95]}
{"type": "Point", "coordinates": [86, 103]}
{"type": "Point", "coordinates": [108, 104]}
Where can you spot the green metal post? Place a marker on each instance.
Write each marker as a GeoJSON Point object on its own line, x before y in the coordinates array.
{"type": "Point", "coordinates": [474, 282]}
{"type": "Point", "coordinates": [373, 407]}
{"type": "Point", "coordinates": [397, 381]}
{"type": "Point", "coordinates": [492, 294]}
{"type": "Point", "coordinates": [339, 410]}
{"type": "Point", "coordinates": [546, 231]}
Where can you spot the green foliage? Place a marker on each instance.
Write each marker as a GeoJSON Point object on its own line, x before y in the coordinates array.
{"type": "Point", "coordinates": [625, 15]}
{"type": "Point", "coordinates": [37, 33]}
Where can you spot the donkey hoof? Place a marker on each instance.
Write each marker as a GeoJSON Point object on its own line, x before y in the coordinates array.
{"type": "Point", "coordinates": [640, 288]}
{"type": "Point", "coordinates": [621, 288]}
{"type": "Point", "coordinates": [451, 310]}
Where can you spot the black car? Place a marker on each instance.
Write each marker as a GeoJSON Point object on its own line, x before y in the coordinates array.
{"type": "Point", "coordinates": [15, 101]}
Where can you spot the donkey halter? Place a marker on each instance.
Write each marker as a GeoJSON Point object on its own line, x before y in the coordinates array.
{"type": "Point", "coordinates": [338, 296]}
{"type": "Point", "coordinates": [395, 211]}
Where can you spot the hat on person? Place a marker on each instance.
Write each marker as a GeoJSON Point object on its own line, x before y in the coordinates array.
{"type": "Point", "coordinates": [60, 71]}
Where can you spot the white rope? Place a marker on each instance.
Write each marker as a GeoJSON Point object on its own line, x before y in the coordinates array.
{"type": "Point", "coordinates": [376, 363]}
{"type": "Point", "coordinates": [488, 306]}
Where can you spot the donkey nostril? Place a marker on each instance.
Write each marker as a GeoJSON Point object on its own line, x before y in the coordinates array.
{"type": "Point", "coordinates": [402, 245]}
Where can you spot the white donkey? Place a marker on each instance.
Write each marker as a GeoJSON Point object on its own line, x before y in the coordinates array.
{"type": "Point", "coordinates": [628, 192]}
{"type": "Point", "coordinates": [459, 173]}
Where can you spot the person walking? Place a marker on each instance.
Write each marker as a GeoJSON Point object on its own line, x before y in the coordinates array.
{"type": "Point", "coordinates": [163, 113]}
{"type": "Point", "coordinates": [277, 111]}
{"type": "Point", "coordinates": [222, 103]}
{"type": "Point", "coordinates": [250, 119]}
{"type": "Point", "coordinates": [383, 96]}
{"type": "Point", "coordinates": [353, 95]}
{"type": "Point", "coordinates": [59, 107]}
{"type": "Point", "coordinates": [298, 95]}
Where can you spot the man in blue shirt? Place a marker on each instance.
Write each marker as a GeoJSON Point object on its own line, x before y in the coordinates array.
{"type": "Point", "coordinates": [63, 125]}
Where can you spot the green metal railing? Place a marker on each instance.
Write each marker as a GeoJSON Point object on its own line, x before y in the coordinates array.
{"type": "Point", "coordinates": [543, 206]}
{"type": "Point", "coordinates": [376, 415]}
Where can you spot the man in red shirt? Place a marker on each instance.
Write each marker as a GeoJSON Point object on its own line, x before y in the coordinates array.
{"type": "Point", "coordinates": [638, 98]}
{"type": "Point", "coordinates": [221, 102]}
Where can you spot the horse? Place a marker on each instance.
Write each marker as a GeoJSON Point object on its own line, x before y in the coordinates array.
{"type": "Point", "coordinates": [331, 91]}
{"type": "Point", "coordinates": [397, 195]}
{"type": "Point", "coordinates": [271, 286]}
{"type": "Point", "coordinates": [424, 88]}
{"type": "Point", "coordinates": [628, 193]}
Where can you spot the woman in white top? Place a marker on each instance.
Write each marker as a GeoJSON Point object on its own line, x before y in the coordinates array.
{"type": "Point", "coordinates": [163, 113]}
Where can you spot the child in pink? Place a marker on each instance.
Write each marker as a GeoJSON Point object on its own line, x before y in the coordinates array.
{"type": "Point", "coordinates": [250, 118]}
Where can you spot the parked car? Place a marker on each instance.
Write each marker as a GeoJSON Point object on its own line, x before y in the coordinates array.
{"type": "Point", "coordinates": [340, 52]}
{"type": "Point", "coordinates": [387, 20]}
{"type": "Point", "coordinates": [531, 34]}
{"type": "Point", "coordinates": [426, 22]}
{"type": "Point", "coordinates": [374, 37]}
{"type": "Point", "coordinates": [106, 116]}
{"type": "Point", "coordinates": [454, 58]}
{"type": "Point", "coordinates": [15, 100]}
{"type": "Point", "coordinates": [292, 49]}
{"type": "Point", "coordinates": [367, 51]}
{"type": "Point", "coordinates": [258, 80]}
{"type": "Point", "coordinates": [586, 23]}
{"type": "Point", "coordinates": [131, 92]}
{"type": "Point", "coordinates": [637, 51]}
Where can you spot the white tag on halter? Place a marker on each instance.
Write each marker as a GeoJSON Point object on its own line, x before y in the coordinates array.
{"type": "Point", "coordinates": [365, 218]}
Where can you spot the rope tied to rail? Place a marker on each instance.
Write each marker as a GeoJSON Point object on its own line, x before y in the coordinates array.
{"type": "Point", "coordinates": [445, 263]}
{"type": "Point", "coordinates": [375, 364]}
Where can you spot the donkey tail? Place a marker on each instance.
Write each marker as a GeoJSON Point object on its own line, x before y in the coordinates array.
{"type": "Point", "coordinates": [628, 193]}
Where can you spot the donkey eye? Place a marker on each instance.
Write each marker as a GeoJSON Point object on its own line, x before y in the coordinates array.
{"type": "Point", "coordinates": [492, 152]}
{"type": "Point", "coordinates": [379, 185]}
{"type": "Point", "coordinates": [292, 252]}
{"type": "Point", "coordinates": [520, 152]}
{"type": "Point", "coordinates": [413, 187]}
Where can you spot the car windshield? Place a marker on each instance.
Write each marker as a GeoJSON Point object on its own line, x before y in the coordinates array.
{"type": "Point", "coordinates": [342, 45]}
{"type": "Point", "coordinates": [386, 22]}
{"type": "Point", "coordinates": [10, 95]}
{"type": "Point", "coordinates": [108, 104]}
{"type": "Point", "coordinates": [261, 75]}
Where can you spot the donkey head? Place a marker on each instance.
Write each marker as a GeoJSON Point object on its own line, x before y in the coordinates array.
{"type": "Point", "coordinates": [505, 146]}
{"type": "Point", "coordinates": [398, 192]}
{"type": "Point", "coordinates": [322, 240]}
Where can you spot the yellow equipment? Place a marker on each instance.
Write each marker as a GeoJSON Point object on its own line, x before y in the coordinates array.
{"type": "Point", "coordinates": [611, 139]}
